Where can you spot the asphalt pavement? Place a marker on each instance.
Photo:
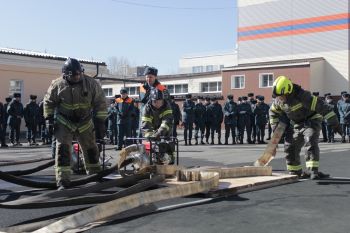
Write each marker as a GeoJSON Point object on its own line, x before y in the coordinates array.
{"type": "Point", "coordinates": [306, 206]}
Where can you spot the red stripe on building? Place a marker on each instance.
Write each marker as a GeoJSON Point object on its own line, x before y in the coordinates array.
{"type": "Point", "coordinates": [296, 32]}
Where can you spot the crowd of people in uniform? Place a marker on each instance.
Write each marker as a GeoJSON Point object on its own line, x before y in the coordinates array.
{"type": "Point", "coordinates": [74, 108]}
{"type": "Point", "coordinates": [11, 115]}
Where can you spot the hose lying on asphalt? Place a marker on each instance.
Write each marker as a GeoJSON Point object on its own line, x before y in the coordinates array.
{"type": "Point", "coordinates": [52, 184]}
{"type": "Point", "coordinates": [70, 197]}
{"type": "Point", "coordinates": [4, 163]}
{"type": "Point", "coordinates": [31, 170]}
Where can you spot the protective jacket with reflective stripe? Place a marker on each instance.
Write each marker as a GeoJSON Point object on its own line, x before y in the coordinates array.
{"type": "Point", "coordinates": [301, 106]}
{"type": "Point", "coordinates": [158, 121]}
{"type": "Point", "coordinates": [74, 104]}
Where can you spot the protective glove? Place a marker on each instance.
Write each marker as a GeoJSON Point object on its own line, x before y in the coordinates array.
{"type": "Point", "coordinates": [337, 129]}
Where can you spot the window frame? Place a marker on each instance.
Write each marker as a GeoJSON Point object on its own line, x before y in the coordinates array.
{"type": "Point", "coordinates": [108, 89]}
{"type": "Point", "coordinates": [233, 81]}
{"type": "Point", "coordinates": [218, 87]}
{"type": "Point", "coordinates": [15, 89]}
{"type": "Point", "coordinates": [261, 80]}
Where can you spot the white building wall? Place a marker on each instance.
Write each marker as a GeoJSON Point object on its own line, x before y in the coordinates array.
{"type": "Point", "coordinates": [333, 45]}
{"type": "Point", "coordinates": [226, 59]}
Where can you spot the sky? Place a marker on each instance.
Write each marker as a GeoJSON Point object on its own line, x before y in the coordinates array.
{"type": "Point", "coordinates": [153, 32]}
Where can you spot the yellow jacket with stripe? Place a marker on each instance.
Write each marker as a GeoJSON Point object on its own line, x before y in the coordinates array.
{"type": "Point", "coordinates": [74, 105]}
{"type": "Point", "coordinates": [300, 107]}
{"type": "Point", "coordinates": [157, 121]}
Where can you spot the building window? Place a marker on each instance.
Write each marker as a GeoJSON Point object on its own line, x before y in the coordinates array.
{"type": "Point", "coordinates": [16, 86]}
{"type": "Point", "coordinates": [209, 68]}
{"type": "Point", "coordinates": [197, 69]}
{"type": "Point", "coordinates": [211, 87]}
{"type": "Point", "coordinates": [133, 90]}
{"type": "Point", "coordinates": [108, 92]}
{"type": "Point", "coordinates": [265, 80]}
{"type": "Point", "coordinates": [177, 88]}
{"type": "Point", "coordinates": [237, 82]}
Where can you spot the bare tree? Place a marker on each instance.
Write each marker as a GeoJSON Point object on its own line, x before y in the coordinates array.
{"type": "Point", "coordinates": [120, 66]}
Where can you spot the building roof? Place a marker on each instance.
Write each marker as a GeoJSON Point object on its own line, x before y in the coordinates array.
{"type": "Point", "coordinates": [280, 63]}
{"type": "Point", "coordinates": [27, 53]}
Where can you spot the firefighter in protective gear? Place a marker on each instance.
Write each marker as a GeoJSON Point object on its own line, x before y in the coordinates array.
{"type": "Point", "coordinates": [73, 99]}
{"type": "Point", "coordinates": [305, 112]}
{"type": "Point", "coordinates": [157, 117]}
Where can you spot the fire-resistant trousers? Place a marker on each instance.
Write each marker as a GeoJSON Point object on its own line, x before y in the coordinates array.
{"type": "Point", "coordinates": [64, 137]}
{"type": "Point", "coordinates": [305, 136]}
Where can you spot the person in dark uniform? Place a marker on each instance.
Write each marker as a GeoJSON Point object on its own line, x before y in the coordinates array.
{"type": "Point", "coordinates": [230, 120]}
{"type": "Point", "coordinates": [15, 111]}
{"type": "Point", "coordinates": [208, 118]}
{"type": "Point", "coordinates": [188, 118]}
{"type": "Point", "coordinates": [199, 119]}
{"type": "Point", "coordinates": [135, 115]}
{"type": "Point", "coordinates": [339, 103]}
{"type": "Point", "coordinates": [176, 115]}
{"type": "Point", "coordinates": [330, 132]}
{"type": "Point", "coordinates": [244, 116]}
{"type": "Point", "coordinates": [124, 107]}
{"type": "Point", "coordinates": [2, 133]}
{"type": "Point", "coordinates": [111, 128]}
{"type": "Point", "coordinates": [344, 112]}
{"type": "Point", "coordinates": [261, 112]}
{"type": "Point", "coordinates": [31, 113]}
{"type": "Point", "coordinates": [6, 117]}
{"type": "Point", "coordinates": [252, 126]}
{"type": "Point", "coordinates": [217, 118]}
{"type": "Point", "coordinates": [42, 124]}
{"type": "Point", "coordinates": [324, 125]}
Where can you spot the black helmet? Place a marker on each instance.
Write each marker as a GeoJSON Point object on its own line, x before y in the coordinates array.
{"type": "Point", "coordinates": [72, 67]}
{"type": "Point", "coordinates": [156, 94]}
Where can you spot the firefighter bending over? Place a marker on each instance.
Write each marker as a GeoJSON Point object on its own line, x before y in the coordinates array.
{"type": "Point", "coordinates": [306, 113]}
{"type": "Point", "coordinates": [72, 99]}
{"type": "Point", "coordinates": [157, 117]}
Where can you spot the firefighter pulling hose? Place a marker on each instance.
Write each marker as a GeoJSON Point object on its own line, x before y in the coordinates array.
{"type": "Point", "coordinates": [305, 113]}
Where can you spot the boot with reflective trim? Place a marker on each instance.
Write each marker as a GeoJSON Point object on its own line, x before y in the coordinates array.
{"type": "Point", "coordinates": [300, 174]}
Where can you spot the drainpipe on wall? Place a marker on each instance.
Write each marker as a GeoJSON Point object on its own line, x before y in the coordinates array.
{"type": "Point", "coordinates": [97, 70]}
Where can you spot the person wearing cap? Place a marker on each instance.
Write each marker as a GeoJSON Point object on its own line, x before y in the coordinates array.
{"type": "Point", "coordinates": [339, 106]}
{"type": "Point", "coordinates": [135, 121]}
{"type": "Point", "coordinates": [261, 112]}
{"type": "Point", "coordinates": [176, 115]}
{"type": "Point", "coordinates": [217, 117]}
{"type": "Point", "coordinates": [15, 111]}
{"type": "Point", "coordinates": [199, 120]}
{"type": "Point", "coordinates": [252, 126]}
{"type": "Point", "coordinates": [244, 120]}
{"type": "Point", "coordinates": [208, 118]}
{"type": "Point", "coordinates": [76, 104]}
{"type": "Point", "coordinates": [330, 132]}
{"type": "Point", "coordinates": [188, 118]}
{"type": "Point", "coordinates": [5, 119]}
{"type": "Point", "coordinates": [124, 108]}
{"type": "Point", "coordinates": [150, 74]}
{"type": "Point", "coordinates": [2, 132]}
{"type": "Point", "coordinates": [306, 111]}
{"type": "Point", "coordinates": [230, 119]}
{"type": "Point", "coordinates": [344, 112]}
{"type": "Point", "coordinates": [112, 131]}
{"type": "Point", "coordinates": [31, 115]}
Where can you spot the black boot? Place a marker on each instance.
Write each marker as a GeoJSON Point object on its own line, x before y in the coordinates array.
{"type": "Point", "coordinates": [189, 142]}
{"type": "Point", "coordinates": [196, 143]}
{"type": "Point", "coordinates": [185, 142]}
{"type": "Point", "coordinates": [226, 141]}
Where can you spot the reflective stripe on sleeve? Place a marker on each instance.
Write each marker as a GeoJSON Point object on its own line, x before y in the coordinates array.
{"type": "Point", "coordinates": [313, 103]}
